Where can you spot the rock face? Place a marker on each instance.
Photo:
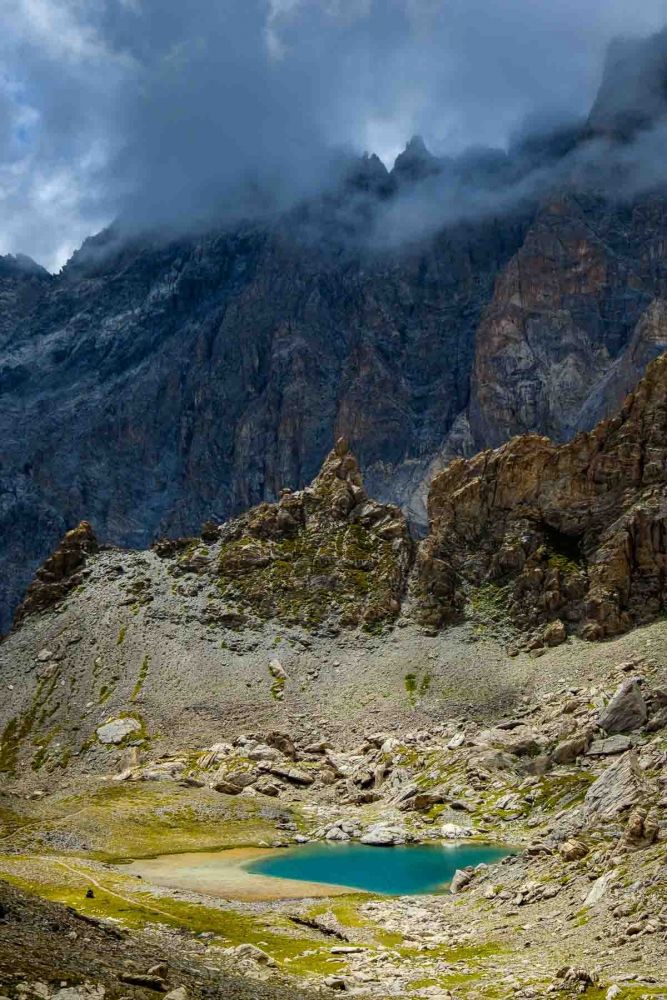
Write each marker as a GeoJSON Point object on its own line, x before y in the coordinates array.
{"type": "Point", "coordinates": [576, 532]}
{"type": "Point", "coordinates": [148, 386]}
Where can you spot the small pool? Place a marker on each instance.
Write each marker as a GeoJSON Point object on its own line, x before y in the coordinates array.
{"type": "Point", "coordinates": [403, 871]}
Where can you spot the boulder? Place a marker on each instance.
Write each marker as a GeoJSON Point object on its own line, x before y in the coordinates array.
{"type": "Point", "coordinates": [572, 850]}
{"type": "Point", "coordinates": [380, 835]}
{"type": "Point", "coordinates": [626, 711]}
{"type": "Point", "coordinates": [555, 633]}
{"type": "Point", "coordinates": [251, 951]}
{"type": "Point", "coordinates": [226, 787]}
{"type": "Point", "coordinates": [642, 829]}
{"type": "Point", "coordinates": [612, 745]}
{"type": "Point", "coordinates": [263, 752]}
{"type": "Point", "coordinates": [600, 888]}
{"type": "Point", "coordinates": [240, 778]}
{"type": "Point", "coordinates": [115, 731]}
{"type": "Point", "coordinates": [292, 774]}
{"type": "Point", "coordinates": [266, 786]}
{"type": "Point", "coordinates": [336, 834]}
{"type": "Point", "coordinates": [451, 831]}
{"type": "Point", "coordinates": [622, 786]}
{"type": "Point", "coordinates": [460, 880]}
{"type": "Point", "coordinates": [282, 742]}
{"type": "Point", "coordinates": [567, 751]}
{"type": "Point", "coordinates": [277, 670]}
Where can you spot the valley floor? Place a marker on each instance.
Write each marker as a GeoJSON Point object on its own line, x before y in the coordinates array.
{"type": "Point", "coordinates": [581, 908]}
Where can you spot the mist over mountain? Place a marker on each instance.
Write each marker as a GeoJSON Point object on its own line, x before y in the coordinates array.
{"type": "Point", "coordinates": [187, 116]}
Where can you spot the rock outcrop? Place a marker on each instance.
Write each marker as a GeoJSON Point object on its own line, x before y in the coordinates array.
{"type": "Point", "coordinates": [575, 533]}
{"type": "Point", "coordinates": [327, 553]}
{"type": "Point", "coordinates": [61, 572]}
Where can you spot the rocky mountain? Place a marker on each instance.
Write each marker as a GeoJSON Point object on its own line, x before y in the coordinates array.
{"type": "Point", "coordinates": [159, 381]}
{"type": "Point", "coordinates": [533, 542]}
{"type": "Point", "coordinates": [574, 532]}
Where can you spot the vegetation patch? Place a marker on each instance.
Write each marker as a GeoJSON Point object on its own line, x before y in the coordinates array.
{"type": "Point", "coordinates": [143, 674]}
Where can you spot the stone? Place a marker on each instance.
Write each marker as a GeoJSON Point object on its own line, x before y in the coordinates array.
{"type": "Point", "coordinates": [264, 753]}
{"type": "Point", "coordinates": [293, 774]}
{"type": "Point", "coordinates": [265, 786]}
{"type": "Point", "coordinates": [641, 830]}
{"type": "Point", "coordinates": [610, 746]}
{"type": "Point", "coordinates": [336, 834]}
{"type": "Point", "coordinates": [277, 670]}
{"type": "Point", "coordinates": [572, 850]}
{"type": "Point", "coordinates": [567, 751]}
{"type": "Point", "coordinates": [626, 711]}
{"type": "Point", "coordinates": [116, 730]}
{"type": "Point", "coordinates": [460, 880]}
{"type": "Point", "coordinates": [380, 835]}
{"type": "Point", "coordinates": [336, 983]}
{"type": "Point", "coordinates": [180, 993]}
{"type": "Point", "coordinates": [225, 787]}
{"type": "Point", "coordinates": [620, 787]}
{"type": "Point", "coordinates": [555, 633]}
{"type": "Point", "coordinates": [145, 981]}
{"type": "Point", "coordinates": [600, 888]}
{"type": "Point", "coordinates": [251, 951]}
{"type": "Point", "coordinates": [451, 831]}
{"type": "Point", "coordinates": [242, 779]}
{"type": "Point", "coordinates": [282, 742]}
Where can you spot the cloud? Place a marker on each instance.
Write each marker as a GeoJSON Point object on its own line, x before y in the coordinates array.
{"type": "Point", "coordinates": [170, 113]}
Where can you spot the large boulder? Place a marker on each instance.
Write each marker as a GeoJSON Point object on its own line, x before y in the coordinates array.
{"type": "Point", "coordinates": [381, 835]}
{"type": "Point", "coordinates": [621, 787]}
{"type": "Point", "coordinates": [626, 711]}
{"type": "Point", "coordinates": [115, 731]}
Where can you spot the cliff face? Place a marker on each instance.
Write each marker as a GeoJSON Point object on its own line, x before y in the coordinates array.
{"type": "Point", "coordinates": [157, 386]}
{"type": "Point", "coordinates": [151, 386]}
{"type": "Point", "coordinates": [561, 539]}
{"type": "Point", "coordinates": [572, 535]}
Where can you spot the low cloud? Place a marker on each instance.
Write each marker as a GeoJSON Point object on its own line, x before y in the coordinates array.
{"type": "Point", "coordinates": [169, 114]}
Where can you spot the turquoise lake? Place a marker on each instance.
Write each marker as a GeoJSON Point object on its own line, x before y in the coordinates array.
{"type": "Point", "coordinates": [403, 871]}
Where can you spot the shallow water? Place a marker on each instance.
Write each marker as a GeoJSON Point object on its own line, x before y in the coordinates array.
{"type": "Point", "coordinates": [404, 870]}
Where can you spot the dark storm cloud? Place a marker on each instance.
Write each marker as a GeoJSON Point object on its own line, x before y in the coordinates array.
{"type": "Point", "coordinates": [172, 113]}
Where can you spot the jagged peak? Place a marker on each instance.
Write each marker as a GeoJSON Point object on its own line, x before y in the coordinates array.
{"type": "Point", "coordinates": [340, 464]}
{"type": "Point", "coordinates": [416, 162]}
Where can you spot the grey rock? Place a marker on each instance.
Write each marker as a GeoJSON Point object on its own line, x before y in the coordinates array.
{"type": "Point", "coordinates": [116, 730]}
{"type": "Point", "coordinates": [618, 789]}
{"type": "Point", "coordinates": [626, 711]}
{"type": "Point", "coordinates": [460, 880]}
{"type": "Point", "coordinates": [381, 835]}
{"type": "Point", "coordinates": [612, 745]}
{"type": "Point", "coordinates": [568, 750]}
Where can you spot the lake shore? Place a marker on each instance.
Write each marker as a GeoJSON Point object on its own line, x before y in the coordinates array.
{"type": "Point", "coordinates": [223, 874]}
